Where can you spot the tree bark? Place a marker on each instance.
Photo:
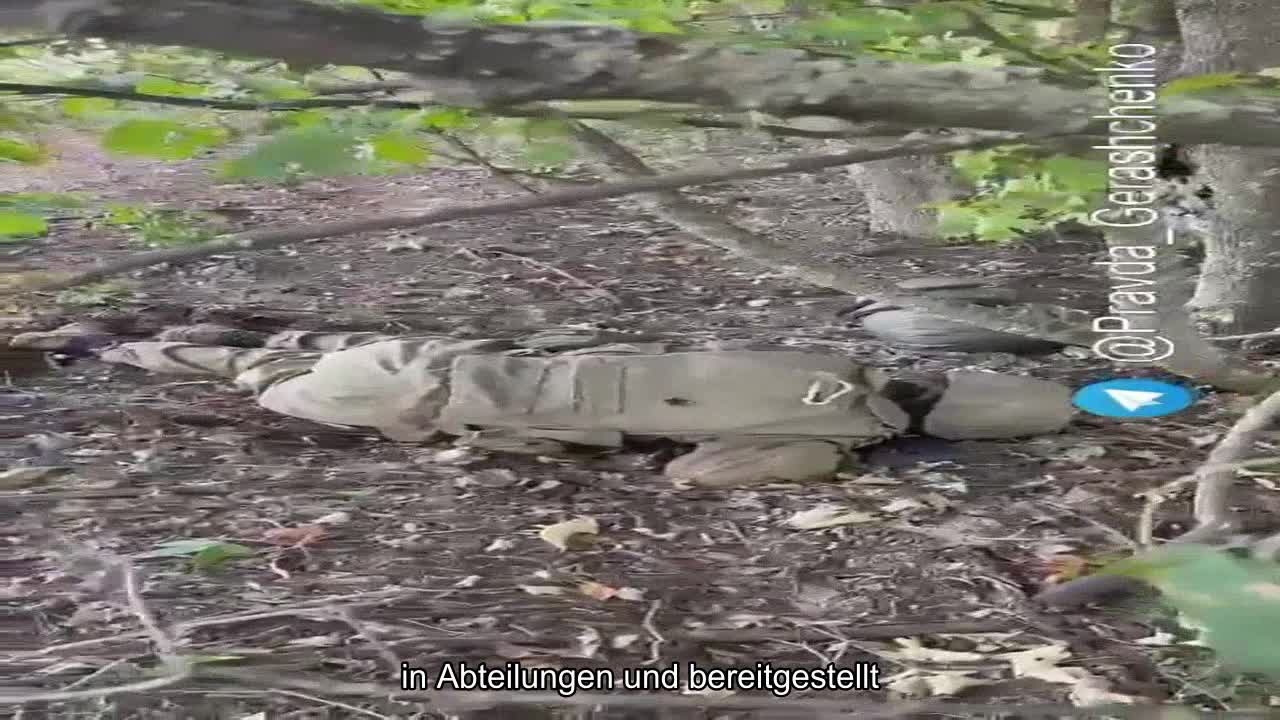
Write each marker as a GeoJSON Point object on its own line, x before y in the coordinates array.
{"type": "Point", "coordinates": [1236, 292]}
{"type": "Point", "coordinates": [1092, 19]}
{"type": "Point", "coordinates": [502, 65]}
{"type": "Point", "coordinates": [899, 190]}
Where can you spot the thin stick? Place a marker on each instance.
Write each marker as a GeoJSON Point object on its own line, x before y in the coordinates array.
{"type": "Point", "coordinates": [1214, 479]}
{"type": "Point", "coordinates": [267, 238]}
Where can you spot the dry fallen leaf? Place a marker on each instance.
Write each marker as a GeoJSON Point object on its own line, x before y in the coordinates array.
{"type": "Point", "coordinates": [559, 533]}
{"type": "Point", "coordinates": [597, 590]}
{"type": "Point", "coordinates": [21, 477]}
{"type": "Point", "coordinates": [922, 683]}
{"type": "Point", "coordinates": [295, 536]}
{"type": "Point", "coordinates": [900, 504]}
{"type": "Point", "coordinates": [631, 594]}
{"type": "Point", "coordinates": [334, 518]}
{"type": "Point", "coordinates": [1065, 567]}
{"type": "Point", "coordinates": [913, 649]}
{"type": "Point", "coordinates": [542, 589]}
{"type": "Point", "coordinates": [825, 516]}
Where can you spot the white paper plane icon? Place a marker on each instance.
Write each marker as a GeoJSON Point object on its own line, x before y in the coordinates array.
{"type": "Point", "coordinates": [1131, 400]}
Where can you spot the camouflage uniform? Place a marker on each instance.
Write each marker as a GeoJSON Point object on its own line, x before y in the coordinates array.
{"type": "Point", "coordinates": [755, 415]}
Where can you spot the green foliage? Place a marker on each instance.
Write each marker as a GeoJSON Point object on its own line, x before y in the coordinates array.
{"type": "Point", "coordinates": [19, 151]}
{"type": "Point", "coordinates": [15, 226]}
{"type": "Point", "coordinates": [161, 228]}
{"type": "Point", "coordinates": [1204, 83]}
{"type": "Point", "coordinates": [22, 214]}
{"type": "Point", "coordinates": [154, 85]}
{"type": "Point", "coordinates": [444, 118]}
{"type": "Point", "coordinates": [319, 146]}
{"type": "Point", "coordinates": [162, 139]}
{"type": "Point", "coordinates": [1018, 191]}
{"type": "Point", "coordinates": [205, 554]}
{"type": "Point", "coordinates": [214, 556]}
{"type": "Point", "coordinates": [82, 107]}
{"type": "Point", "coordinates": [399, 147]}
{"type": "Point", "coordinates": [1235, 601]}
{"type": "Point", "coordinates": [39, 201]}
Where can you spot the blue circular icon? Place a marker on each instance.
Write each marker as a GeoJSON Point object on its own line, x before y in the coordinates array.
{"type": "Point", "coordinates": [1133, 398]}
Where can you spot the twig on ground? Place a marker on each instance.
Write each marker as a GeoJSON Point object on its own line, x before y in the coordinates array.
{"type": "Point", "coordinates": [331, 703]}
{"type": "Point", "coordinates": [657, 640]}
{"type": "Point", "coordinates": [364, 630]}
{"type": "Point", "coordinates": [1269, 335]}
{"type": "Point", "coordinates": [314, 608]}
{"type": "Point", "coordinates": [178, 668]}
{"type": "Point", "coordinates": [1212, 505]}
{"type": "Point", "coordinates": [601, 292]}
{"type": "Point", "coordinates": [1154, 498]}
{"type": "Point", "coordinates": [1214, 479]}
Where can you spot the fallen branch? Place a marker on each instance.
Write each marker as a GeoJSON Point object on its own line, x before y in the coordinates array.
{"type": "Point", "coordinates": [275, 237]}
{"type": "Point", "coordinates": [1214, 479]}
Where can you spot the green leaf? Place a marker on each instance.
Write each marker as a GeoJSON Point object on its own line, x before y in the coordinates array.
{"type": "Point", "coordinates": [1201, 83]}
{"type": "Point", "coordinates": [152, 85]}
{"type": "Point", "coordinates": [86, 106]}
{"type": "Point", "coordinates": [39, 201]}
{"type": "Point", "coordinates": [14, 225]}
{"type": "Point", "coordinates": [20, 152]}
{"type": "Point", "coordinates": [549, 154]}
{"type": "Point", "coordinates": [974, 166]}
{"type": "Point", "coordinates": [1002, 225]}
{"type": "Point", "coordinates": [206, 554]}
{"type": "Point", "coordinates": [1236, 601]}
{"type": "Point", "coordinates": [295, 119]}
{"type": "Point", "coordinates": [956, 221]}
{"type": "Point", "coordinates": [939, 18]}
{"type": "Point", "coordinates": [163, 139]}
{"type": "Point", "coordinates": [444, 119]}
{"type": "Point", "coordinates": [395, 147]}
{"type": "Point", "coordinates": [213, 556]}
{"type": "Point", "coordinates": [1077, 175]}
{"type": "Point", "coordinates": [316, 150]}
{"type": "Point", "coordinates": [544, 129]}
{"type": "Point", "coordinates": [654, 25]}
{"type": "Point", "coordinates": [178, 548]}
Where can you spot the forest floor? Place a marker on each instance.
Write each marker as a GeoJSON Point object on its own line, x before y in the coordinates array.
{"type": "Point", "coordinates": [369, 554]}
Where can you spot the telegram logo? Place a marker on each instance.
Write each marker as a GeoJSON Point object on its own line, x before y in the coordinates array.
{"type": "Point", "coordinates": [1133, 398]}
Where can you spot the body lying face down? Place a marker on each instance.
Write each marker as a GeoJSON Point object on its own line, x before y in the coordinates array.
{"type": "Point", "coordinates": [755, 415]}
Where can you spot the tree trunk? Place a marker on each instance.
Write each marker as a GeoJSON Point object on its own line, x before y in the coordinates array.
{"type": "Point", "coordinates": [1236, 292]}
{"type": "Point", "coordinates": [898, 189]}
{"type": "Point", "coordinates": [1092, 19]}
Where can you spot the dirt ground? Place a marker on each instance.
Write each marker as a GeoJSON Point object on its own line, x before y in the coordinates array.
{"type": "Point", "coordinates": [432, 554]}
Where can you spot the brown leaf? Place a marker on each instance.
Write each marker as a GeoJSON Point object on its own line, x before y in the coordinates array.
{"type": "Point", "coordinates": [597, 590]}
{"type": "Point", "coordinates": [1065, 567]}
{"type": "Point", "coordinates": [295, 536]}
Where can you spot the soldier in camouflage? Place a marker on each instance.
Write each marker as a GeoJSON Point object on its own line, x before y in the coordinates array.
{"type": "Point", "coordinates": [754, 415]}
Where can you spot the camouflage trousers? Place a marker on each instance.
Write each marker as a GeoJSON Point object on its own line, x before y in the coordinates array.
{"type": "Point", "coordinates": [397, 385]}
